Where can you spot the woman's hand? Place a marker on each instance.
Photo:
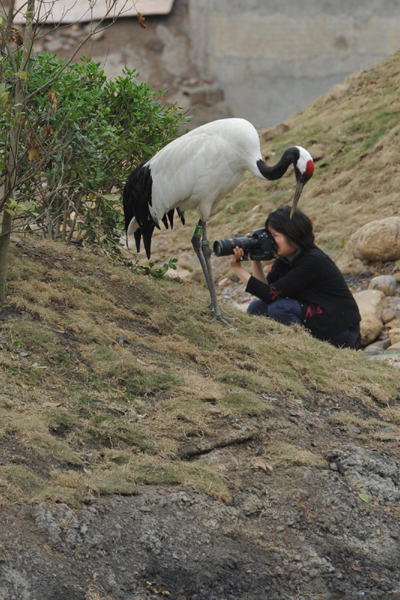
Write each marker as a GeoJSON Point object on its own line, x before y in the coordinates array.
{"type": "Point", "coordinates": [238, 254]}
{"type": "Point", "coordinates": [240, 271]}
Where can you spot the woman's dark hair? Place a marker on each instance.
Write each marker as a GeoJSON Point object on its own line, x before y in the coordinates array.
{"type": "Point", "coordinates": [298, 229]}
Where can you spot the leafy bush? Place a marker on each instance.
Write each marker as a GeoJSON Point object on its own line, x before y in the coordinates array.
{"type": "Point", "coordinates": [81, 136]}
{"type": "Point", "coordinates": [158, 272]}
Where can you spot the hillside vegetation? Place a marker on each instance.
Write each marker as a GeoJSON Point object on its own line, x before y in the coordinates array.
{"type": "Point", "coordinates": [107, 376]}
{"type": "Point", "coordinates": [276, 454]}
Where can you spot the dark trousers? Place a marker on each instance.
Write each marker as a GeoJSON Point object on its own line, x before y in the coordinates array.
{"type": "Point", "coordinates": [288, 311]}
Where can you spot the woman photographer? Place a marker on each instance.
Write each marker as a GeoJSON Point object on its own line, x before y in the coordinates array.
{"type": "Point", "coordinates": [304, 285]}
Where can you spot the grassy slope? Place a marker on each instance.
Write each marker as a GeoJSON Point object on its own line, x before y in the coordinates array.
{"type": "Point", "coordinates": [107, 379]}
{"type": "Point", "coordinates": [84, 411]}
{"type": "Point", "coordinates": [353, 134]}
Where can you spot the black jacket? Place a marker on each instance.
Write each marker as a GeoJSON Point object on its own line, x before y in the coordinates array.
{"type": "Point", "coordinates": [312, 278]}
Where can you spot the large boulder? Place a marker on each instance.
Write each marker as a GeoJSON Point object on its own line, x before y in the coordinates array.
{"type": "Point", "coordinates": [370, 306]}
{"type": "Point", "coordinates": [378, 240]}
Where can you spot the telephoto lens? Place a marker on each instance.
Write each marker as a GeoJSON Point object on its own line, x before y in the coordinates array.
{"type": "Point", "coordinates": [225, 247]}
{"type": "Point", "coordinates": [259, 245]}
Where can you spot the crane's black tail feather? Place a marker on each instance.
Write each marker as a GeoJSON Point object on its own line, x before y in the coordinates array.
{"type": "Point", "coordinates": [137, 200]}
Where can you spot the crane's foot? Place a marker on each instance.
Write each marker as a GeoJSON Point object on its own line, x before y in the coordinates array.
{"type": "Point", "coordinates": [225, 313]}
{"type": "Point", "coordinates": [220, 319]}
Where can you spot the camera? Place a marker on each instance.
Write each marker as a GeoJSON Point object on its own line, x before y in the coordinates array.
{"type": "Point", "coordinates": [260, 245]}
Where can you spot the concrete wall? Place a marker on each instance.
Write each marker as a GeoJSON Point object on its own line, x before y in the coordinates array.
{"type": "Point", "coordinates": [272, 57]}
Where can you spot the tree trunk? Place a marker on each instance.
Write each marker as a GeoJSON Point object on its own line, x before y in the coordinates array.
{"type": "Point", "coordinates": [4, 245]}
{"type": "Point", "coordinates": [12, 158]}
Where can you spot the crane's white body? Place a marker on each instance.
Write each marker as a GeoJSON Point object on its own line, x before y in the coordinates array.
{"type": "Point", "coordinates": [197, 170]}
{"type": "Point", "coordinates": [200, 168]}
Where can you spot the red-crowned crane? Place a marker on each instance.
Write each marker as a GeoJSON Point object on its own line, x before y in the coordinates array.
{"type": "Point", "coordinates": [196, 171]}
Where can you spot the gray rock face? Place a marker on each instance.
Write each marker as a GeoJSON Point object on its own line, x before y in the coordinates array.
{"type": "Point", "coordinates": [263, 545]}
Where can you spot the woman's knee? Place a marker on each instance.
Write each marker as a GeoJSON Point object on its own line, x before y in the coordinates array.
{"type": "Point", "coordinates": [257, 307]}
{"type": "Point", "coordinates": [285, 311]}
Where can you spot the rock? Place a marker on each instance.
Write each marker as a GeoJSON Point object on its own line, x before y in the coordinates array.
{"type": "Point", "coordinates": [393, 324]}
{"type": "Point", "coordinates": [388, 314]}
{"type": "Point", "coordinates": [384, 336]}
{"type": "Point", "coordinates": [394, 335]}
{"type": "Point", "coordinates": [349, 265]}
{"type": "Point", "coordinates": [54, 46]}
{"type": "Point", "coordinates": [378, 240]}
{"type": "Point", "coordinates": [123, 340]}
{"type": "Point", "coordinates": [223, 282]}
{"type": "Point", "coordinates": [385, 283]}
{"type": "Point", "coordinates": [377, 347]}
{"type": "Point", "coordinates": [369, 305]}
{"type": "Point", "coordinates": [97, 36]}
{"type": "Point", "coordinates": [391, 309]}
{"type": "Point", "coordinates": [395, 348]}
{"type": "Point", "coordinates": [75, 31]}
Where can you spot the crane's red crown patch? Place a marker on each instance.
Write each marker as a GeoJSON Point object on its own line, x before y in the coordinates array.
{"type": "Point", "coordinates": [309, 169]}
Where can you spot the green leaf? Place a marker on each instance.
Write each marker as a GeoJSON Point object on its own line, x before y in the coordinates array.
{"type": "Point", "coordinates": [364, 497]}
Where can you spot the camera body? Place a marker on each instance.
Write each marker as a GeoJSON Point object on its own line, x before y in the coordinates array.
{"type": "Point", "coordinates": [260, 245]}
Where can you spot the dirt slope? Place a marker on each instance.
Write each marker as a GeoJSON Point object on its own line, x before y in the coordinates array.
{"type": "Point", "coordinates": [147, 452]}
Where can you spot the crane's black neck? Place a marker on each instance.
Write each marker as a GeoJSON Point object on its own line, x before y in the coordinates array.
{"type": "Point", "coordinates": [290, 156]}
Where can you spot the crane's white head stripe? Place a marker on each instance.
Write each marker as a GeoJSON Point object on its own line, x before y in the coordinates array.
{"type": "Point", "coordinates": [304, 158]}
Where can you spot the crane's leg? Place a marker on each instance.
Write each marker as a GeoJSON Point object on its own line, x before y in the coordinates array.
{"type": "Point", "coordinates": [202, 248]}
{"type": "Point", "coordinates": [205, 246]}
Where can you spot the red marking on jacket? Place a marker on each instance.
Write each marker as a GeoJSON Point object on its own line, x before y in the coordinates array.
{"type": "Point", "coordinates": [310, 312]}
{"type": "Point", "coordinates": [274, 292]}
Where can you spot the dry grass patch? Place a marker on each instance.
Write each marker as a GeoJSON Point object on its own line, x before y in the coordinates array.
{"type": "Point", "coordinates": [282, 454]}
{"type": "Point", "coordinates": [245, 403]}
{"type": "Point", "coordinates": [19, 485]}
{"type": "Point", "coordinates": [179, 473]}
{"type": "Point", "coordinates": [381, 430]}
{"type": "Point", "coordinates": [103, 413]}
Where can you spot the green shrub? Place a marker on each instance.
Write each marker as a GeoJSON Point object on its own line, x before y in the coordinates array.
{"type": "Point", "coordinates": [81, 136]}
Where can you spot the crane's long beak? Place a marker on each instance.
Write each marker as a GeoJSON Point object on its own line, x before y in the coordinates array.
{"type": "Point", "coordinates": [297, 194]}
